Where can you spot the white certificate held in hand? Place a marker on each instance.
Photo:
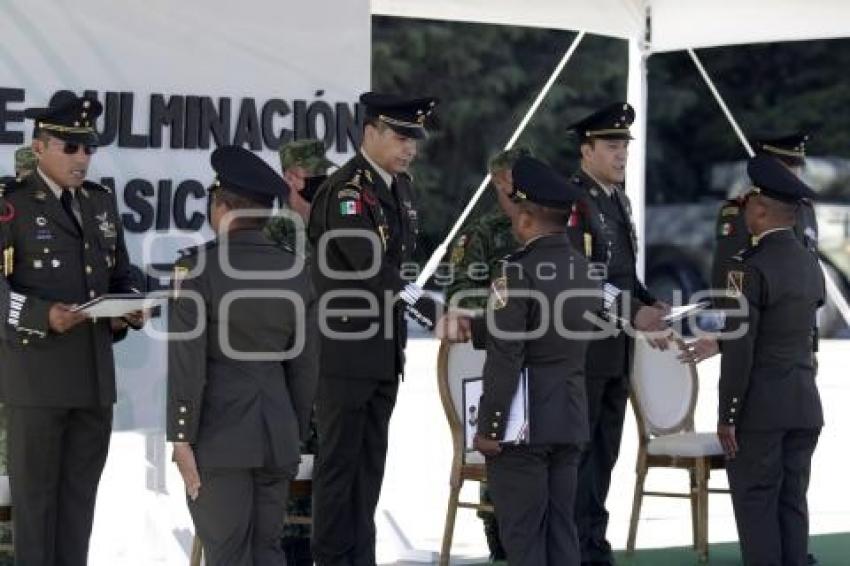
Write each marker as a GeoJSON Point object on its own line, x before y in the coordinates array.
{"type": "Point", "coordinates": [517, 423]}
{"type": "Point", "coordinates": [680, 312]}
{"type": "Point", "coordinates": [120, 304]}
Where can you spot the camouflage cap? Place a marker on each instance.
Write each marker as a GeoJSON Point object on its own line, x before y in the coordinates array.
{"type": "Point", "coordinates": [309, 154]}
{"type": "Point", "coordinates": [506, 159]}
{"type": "Point", "coordinates": [25, 160]}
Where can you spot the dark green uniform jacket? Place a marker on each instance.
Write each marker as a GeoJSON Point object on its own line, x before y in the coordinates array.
{"type": "Point", "coordinates": [240, 412]}
{"type": "Point", "coordinates": [47, 260]}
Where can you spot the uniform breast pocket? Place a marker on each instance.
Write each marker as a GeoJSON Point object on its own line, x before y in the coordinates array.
{"type": "Point", "coordinates": [106, 246]}
{"type": "Point", "coordinates": [350, 328]}
{"type": "Point", "coordinates": [45, 265]}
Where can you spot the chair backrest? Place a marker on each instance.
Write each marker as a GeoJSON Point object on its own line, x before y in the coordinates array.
{"type": "Point", "coordinates": [455, 363]}
{"type": "Point", "coordinates": [5, 492]}
{"type": "Point", "coordinates": [664, 390]}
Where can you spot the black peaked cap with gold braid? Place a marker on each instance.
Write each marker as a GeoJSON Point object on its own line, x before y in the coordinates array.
{"type": "Point", "coordinates": [69, 118]}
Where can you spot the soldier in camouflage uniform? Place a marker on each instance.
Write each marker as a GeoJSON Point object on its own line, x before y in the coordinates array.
{"type": "Point", "coordinates": [732, 234]}
{"type": "Point", "coordinates": [474, 258]}
{"type": "Point", "coordinates": [304, 168]}
{"type": "Point", "coordinates": [25, 161]}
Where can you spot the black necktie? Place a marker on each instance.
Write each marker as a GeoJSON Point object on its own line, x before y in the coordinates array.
{"type": "Point", "coordinates": [67, 200]}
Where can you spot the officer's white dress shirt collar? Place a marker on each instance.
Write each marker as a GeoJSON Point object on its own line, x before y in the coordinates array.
{"type": "Point", "coordinates": [51, 184]}
{"type": "Point", "coordinates": [760, 237]}
{"type": "Point", "coordinates": [609, 189]}
{"type": "Point", "coordinates": [388, 179]}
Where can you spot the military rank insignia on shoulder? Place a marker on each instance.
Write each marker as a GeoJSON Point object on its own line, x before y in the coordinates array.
{"type": "Point", "coordinates": [499, 293]}
{"type": "Point", "coordinates": [726, 229]}
{"type": "Point", "coordinates": [92, 186]}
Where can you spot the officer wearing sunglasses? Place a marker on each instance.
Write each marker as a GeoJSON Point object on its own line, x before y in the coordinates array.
{"type": "Point", "coordinates": [62, 244]}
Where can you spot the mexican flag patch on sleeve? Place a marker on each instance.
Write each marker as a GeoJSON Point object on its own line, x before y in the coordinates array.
{"type": "Point", "coordinates": [350, 207]}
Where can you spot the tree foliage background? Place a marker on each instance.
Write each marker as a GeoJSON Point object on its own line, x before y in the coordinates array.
{"type": "Point", "coordinates": [487, 76]}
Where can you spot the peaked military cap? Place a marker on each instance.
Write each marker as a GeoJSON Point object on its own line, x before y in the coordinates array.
{"type": "Point", "coordinates": [406, 116]}
{"type": "Point", "coordinates": [69, 118]}
{"type": "Point", "coordinates": [536, 182]}
{"type": "Point", "coordinates": [309, 154]}
{"type": "Point", "coordinates": [611, 123]}
{"type": "Point", "coordinates": [774, 180]}
{"type": "Point", "coordinates": [243, 172]}
{"type": "Point", "coordinates": [791, 149]}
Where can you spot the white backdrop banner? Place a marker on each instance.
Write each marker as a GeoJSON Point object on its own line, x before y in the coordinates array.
{"type": "Point", "coordinates": [177, 80]}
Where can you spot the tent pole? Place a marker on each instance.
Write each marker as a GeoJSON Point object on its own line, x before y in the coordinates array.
{"type": "Point", "coordinates": [832, 290]}
{"type": "Point", "coordinates": [637, 95]}
{"type": "Point", "coordinates": [440, 252]}
{"type": "Point", "coordinates": [721, 102]}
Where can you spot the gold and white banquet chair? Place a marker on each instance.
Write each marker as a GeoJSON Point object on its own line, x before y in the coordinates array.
{"type": "Point", "coordinates": [664, 396]}
{"type": "Point", "coordinates": [455, 363]}
{"type": "Point", "coordinates": [5, 507]}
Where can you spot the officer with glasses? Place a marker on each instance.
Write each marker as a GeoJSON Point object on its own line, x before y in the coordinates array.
{"type": "Point", "coordinates": [62, 244]}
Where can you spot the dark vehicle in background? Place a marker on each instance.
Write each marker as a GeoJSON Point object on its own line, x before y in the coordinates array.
{"type": "Point", "coordinates": [680, 236]}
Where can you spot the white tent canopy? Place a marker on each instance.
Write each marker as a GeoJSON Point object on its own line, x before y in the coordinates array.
{"type": "Point", "coordinates": [672, 24]}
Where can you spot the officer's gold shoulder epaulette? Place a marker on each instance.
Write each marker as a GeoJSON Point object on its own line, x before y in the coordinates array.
{"type": "Point", "coordinates": [357, 179]}
{"type": "Point", "coordinates": [191, 251]}
{"type": "Point", "coordinates": [92, 186]}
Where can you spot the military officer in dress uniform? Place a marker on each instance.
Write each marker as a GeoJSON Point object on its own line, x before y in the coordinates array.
{"type": "Point", "coordinates": [475, 259]}
{"type": "Point", "coordinates": [363, 226]}
{"type": "Point", "coordinates": [601, 228]}
{"type": "Point", "coordinates": [62, 245]}
{"type": "Point", "coordinates": [770, 412]}
{"type": "Point", "coordinates": [533, 482]}
{"type": "Point", "coordinates": [732, 234]}
{"type": "Point", "coordinates": [242, 368]}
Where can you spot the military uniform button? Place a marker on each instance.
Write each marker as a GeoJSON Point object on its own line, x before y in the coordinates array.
{"type": "Point", "coordinates": [25, 341]}
{"type": "Point", "coordinates": [181, 422]}
{"type": "Point", "coordinates": [47, 250]}
{"type": "Point", "coordinates": [88, 270]}
{"type": "Point", "coordinates": [344, 319]}
{"type": "Point", "coordinates": [492, 435]}
{"type": "Point", "coordinates": [92, 294]}
{"type": "Point", "coordinates": [732, 410]}
{"type": "Point", "coordinates": [86, 245]}
{"type": "Point", "coordinates": [495, 425]}
{"type": "Point", "coordinates": [498, 413]}
{"type": "Point", "coordinates": [181, 436]}
{"type": "Point", "coordinates": [183, 409]}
